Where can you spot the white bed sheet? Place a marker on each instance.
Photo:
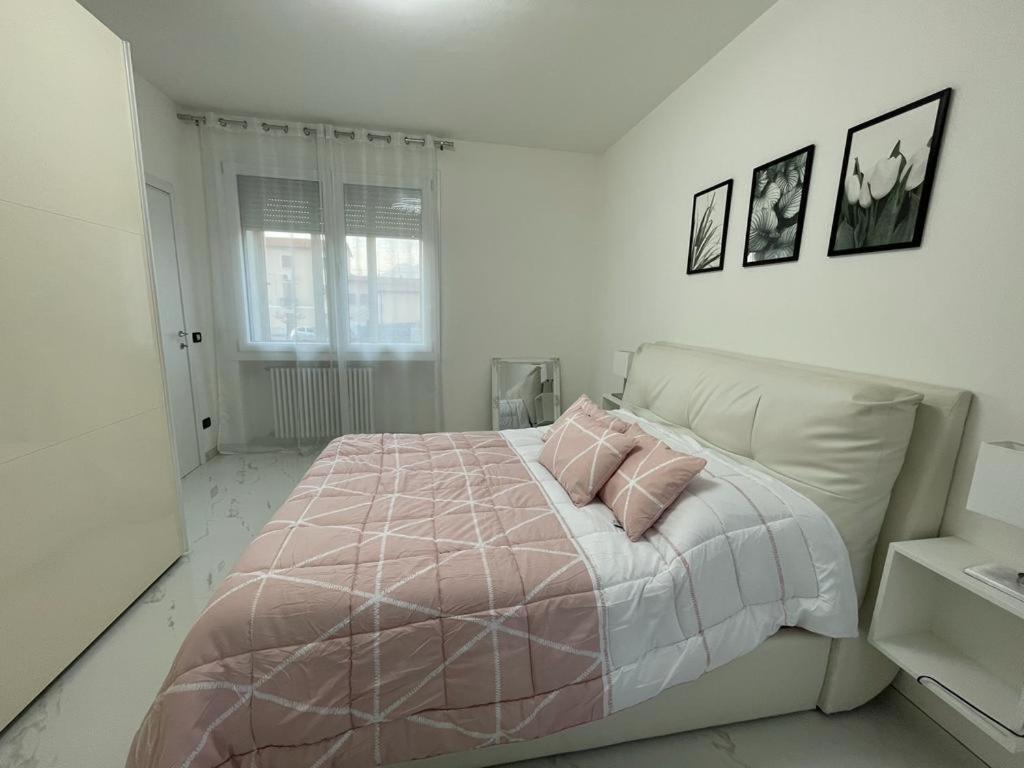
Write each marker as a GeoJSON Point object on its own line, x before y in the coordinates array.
{"type": "Point", "coordinates": [735, 558]}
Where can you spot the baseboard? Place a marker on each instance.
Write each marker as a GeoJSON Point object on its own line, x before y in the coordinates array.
{"type": "Point", "coordinates": [210, 454]}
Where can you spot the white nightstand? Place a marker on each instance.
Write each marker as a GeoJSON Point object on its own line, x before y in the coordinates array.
{"type": "Point", "coordinates": [611, 401]}
{"type": "Point", "coordinates": [959, 637]}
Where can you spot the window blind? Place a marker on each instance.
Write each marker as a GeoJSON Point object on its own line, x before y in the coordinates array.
{"type": "Point", "coordinates": [372, 211]}
{"type": "Point", "coordinates": [279, 205]}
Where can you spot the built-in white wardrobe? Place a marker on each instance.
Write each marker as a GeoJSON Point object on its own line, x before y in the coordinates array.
{"type": "Point", "coordinates": [89, 510]}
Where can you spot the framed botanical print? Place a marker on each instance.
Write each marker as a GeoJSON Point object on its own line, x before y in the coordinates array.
{"type": "Point", "coordinates": [709, 225]}
{"type": "Point", "coordinates": [886, 183]}
{"type": "Point", "coordinates": [778, 200]}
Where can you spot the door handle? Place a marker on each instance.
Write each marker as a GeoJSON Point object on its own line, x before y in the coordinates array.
{"type": "Point", "coordinates": [182, 334]}
{"type": "Point", "coordinates": [182, 345]}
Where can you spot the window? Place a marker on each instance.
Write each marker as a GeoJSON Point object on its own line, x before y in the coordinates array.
{"type": "Point", "coordinates": [384, 250]}
{"type": "Point", "coordinates": [285, 268]}
{"type": "Point", "coordinates": [283, 248]}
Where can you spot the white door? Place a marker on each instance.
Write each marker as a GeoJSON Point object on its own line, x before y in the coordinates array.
{"type": "Point", "coordinates": [174, 334]}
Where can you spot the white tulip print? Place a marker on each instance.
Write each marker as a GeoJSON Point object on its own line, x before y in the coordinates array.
{"type": "Point", "coordinates": [884, 189]}
{"type": "Point", "coordinates": [883, 177]}
{"type": "Point", "coordinates": [917, 168]}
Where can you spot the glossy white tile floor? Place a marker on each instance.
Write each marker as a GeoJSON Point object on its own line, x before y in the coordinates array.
{"type": "Point", "coordinates": [87, 718]}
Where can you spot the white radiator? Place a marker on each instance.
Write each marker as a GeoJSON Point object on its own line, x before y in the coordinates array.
{"type": "Point", "coordinates": [360, 400]}
{"type": "Point", "coordinates": [308, 401]}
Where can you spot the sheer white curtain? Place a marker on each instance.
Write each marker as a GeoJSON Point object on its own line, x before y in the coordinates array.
{"type": "Point", "coordinates": [325, 269]}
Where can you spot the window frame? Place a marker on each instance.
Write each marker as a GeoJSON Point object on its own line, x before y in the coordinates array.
{"type": "Point", "coordinates": [373, 296]}
{"type": "Point", "coordinates": [429, 271]}
{"type": "Point", "coordinates": [335, 269]}
{"type": "Point", "coordinates": [259, 316]}
{"type": "Point", "coordinates": [232, 223]}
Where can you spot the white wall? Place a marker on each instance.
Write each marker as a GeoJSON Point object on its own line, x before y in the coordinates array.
{"type": "Point", "coordinates": [170, 151]}
{"type": "Point", "coordinates": [519, 237]}
{"type": "Point", "coordinates": [519, 232]}
{"type": "Point", "coordinates": [950, 312]}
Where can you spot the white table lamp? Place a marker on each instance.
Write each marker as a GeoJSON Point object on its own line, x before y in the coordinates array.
{"type": "Point", "coordinates": [997, 491]}
{"type": "Point", "coordinates": [622, 359]}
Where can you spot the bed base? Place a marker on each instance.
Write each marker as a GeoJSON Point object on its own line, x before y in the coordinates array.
{"type": "Point", "coordinates": [784, 674]}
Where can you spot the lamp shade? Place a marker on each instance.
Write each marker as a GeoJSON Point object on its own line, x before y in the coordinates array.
{"type": "Point", "coordinates": [998, 487]}
{"type": "Point", "coordinates": [621, 360]}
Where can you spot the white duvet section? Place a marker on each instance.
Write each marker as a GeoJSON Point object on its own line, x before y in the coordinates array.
{"type": "Point", "coordinates": [735, 558]}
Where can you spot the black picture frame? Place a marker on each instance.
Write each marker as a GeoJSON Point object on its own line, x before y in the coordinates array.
{"type": "Point", "coordinates": [902, 202]}
{"type": "Point", "coordinates": [796, 220]}
{"type": "Point", "coordinates": [691, 268]}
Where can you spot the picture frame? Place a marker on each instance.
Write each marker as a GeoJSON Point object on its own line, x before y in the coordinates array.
{"type": "Point", "coordinates": [709, 229]}
{"type": "Point", "coordinates": [884, 191]}
{"type": "Point", "coordinates": [778, 203]}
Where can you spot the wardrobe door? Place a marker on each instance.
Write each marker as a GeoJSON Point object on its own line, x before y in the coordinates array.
{"type": "Point", "coordinates": [89, 509]}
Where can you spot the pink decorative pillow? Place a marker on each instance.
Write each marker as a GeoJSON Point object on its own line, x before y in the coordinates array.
{"type": "Point", "coordinates": [584, 405]}
{"type": "Point", "coordinates": [647, 482]}
{"type": "Point", "coordinates": [583, 454]}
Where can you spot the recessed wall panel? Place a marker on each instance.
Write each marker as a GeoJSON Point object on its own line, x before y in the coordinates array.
{"type": "Point", "coordinates": [87, 526]}
{"type": "Point", "coordinates": [79, 349]}
{"type": "Point", "coordinates": [65, 117]}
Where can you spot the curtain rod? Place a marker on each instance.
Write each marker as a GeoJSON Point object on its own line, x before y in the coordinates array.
{"type": "Point", "coordinates": [197, 120]}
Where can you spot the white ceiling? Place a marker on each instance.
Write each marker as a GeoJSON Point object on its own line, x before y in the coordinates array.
{"type": "Point", "coordinates": [563, 74]}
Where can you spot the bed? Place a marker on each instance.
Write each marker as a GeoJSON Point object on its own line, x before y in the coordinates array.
{"type": "Point", "coordinates": [438, 599]}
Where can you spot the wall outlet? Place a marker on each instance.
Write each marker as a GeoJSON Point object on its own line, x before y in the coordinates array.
{"type": "Point", "coordinates": [207, 422]}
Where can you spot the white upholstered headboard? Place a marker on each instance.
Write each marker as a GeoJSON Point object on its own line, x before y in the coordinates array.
{"type": "Point", "coordinates": [876, 454]}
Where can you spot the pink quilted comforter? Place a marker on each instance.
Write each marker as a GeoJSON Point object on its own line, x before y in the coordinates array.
{"type": "Point", "coordinates": [416, 595]}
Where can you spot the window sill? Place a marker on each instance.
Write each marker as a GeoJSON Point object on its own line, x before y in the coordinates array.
{"type": "Point", "coordinates": [324, 353]}
{"type": "Point", "coordinates": [285, 348]}
{"type": "Point", "coordinates": [389, 354]}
